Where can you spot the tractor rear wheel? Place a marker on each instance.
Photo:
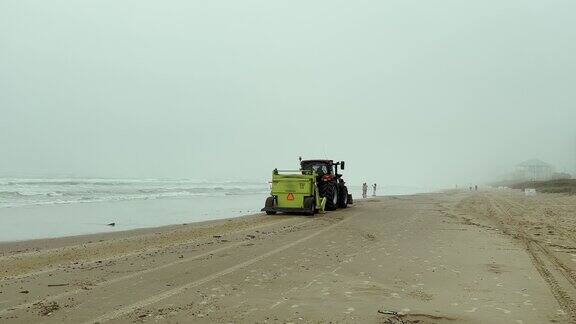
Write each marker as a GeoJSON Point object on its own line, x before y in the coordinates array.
{"type": "Point", "coordinates": [270, 203]}
{"type": "Point", "coordinates": [309, 206]}
{"type": "Point", "coordinates": [329, 191]}
{"type": "Point", "coordinates": [343, 199]}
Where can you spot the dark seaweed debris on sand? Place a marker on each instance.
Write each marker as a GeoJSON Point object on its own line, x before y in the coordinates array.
{"type": "Point", "coordinates": [47, 309]}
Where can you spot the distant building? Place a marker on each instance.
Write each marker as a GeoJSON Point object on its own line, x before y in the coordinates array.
{"type": "Point", "coordinates": [533, 170]}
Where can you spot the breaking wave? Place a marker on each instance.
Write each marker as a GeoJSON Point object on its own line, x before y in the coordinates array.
{"type": "Point", "coordinates": [23, 192]}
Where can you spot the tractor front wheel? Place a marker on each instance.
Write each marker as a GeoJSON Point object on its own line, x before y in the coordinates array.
{"type": "Point", "coordinates": [329, 191]}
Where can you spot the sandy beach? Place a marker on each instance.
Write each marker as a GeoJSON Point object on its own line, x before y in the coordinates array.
{"type": "Point", "coordinates": [453, 257]}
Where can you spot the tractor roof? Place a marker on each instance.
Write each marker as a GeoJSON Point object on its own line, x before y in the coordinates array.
{"type": "Point", "coordinates": [317, 161]}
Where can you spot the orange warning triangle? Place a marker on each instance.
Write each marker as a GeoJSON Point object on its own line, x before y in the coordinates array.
{"type": "Point", "coordinates": [290, 196]}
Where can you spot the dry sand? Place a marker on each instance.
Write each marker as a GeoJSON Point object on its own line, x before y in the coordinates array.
{"type": "Point", "coordinates": [454, 257]}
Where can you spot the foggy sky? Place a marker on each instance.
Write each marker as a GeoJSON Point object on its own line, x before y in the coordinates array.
{"type": "Point", "coordinates": [407, 92]}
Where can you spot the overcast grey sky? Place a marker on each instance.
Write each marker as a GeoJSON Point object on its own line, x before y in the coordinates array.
{"type": "Point", "coordinates": [407, 92]}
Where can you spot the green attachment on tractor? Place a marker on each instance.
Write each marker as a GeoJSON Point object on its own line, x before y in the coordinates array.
{"type": "Point", "coordinates": [294, 191]}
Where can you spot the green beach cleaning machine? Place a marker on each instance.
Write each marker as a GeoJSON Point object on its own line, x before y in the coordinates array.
{"type": "Point", "coordinates": [316, 187]}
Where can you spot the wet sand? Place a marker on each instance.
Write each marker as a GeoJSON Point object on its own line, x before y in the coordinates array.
{"type": "Point", "coordinates": [454, 257]}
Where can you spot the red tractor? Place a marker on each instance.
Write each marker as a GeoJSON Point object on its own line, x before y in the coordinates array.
{"type": "Point", "coordinates": [330, 182]}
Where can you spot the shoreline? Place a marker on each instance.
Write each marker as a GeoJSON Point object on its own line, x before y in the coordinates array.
{"type": "Point", "coordinates": [107, 232]}
{"type": "Point", "coordinates": [30, 246]}
{"type": "Point", "coordinates": [65, 220]}
{"type": "Point", "coordinates": [60, 241]}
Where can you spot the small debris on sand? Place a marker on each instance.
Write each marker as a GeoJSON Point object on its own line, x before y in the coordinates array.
{"type": "Point", "coordinates": [392, 317]}
{"type": "Point", "coordinates": [59, 285]}
{"type": "Point", "coordinates": [387, 312]}
{"type": "Point", "coordinates": [47, 309]}
{"type": "Point", "coordinates": [369, 236]}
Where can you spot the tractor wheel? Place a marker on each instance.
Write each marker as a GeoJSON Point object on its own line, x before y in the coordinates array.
{"type": "Point", "coordinates": [350, 200]}
{"type": "Point", "coordinates": [269, 204]}
{"type": "Point", "coordinates": [309, 206]}
{"type": "Point", "coordinates": [330, 192]}
{"type": "Point", "coordinates": [343, 198]}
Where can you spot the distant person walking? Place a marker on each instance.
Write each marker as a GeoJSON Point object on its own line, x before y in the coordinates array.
{"type": "Point", "coordinates": [374, 190]}
{"type": "Point", "coordinates": [364, 190]}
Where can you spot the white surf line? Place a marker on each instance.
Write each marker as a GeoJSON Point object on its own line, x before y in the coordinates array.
{"type": "Point", "coordinates": [132, 275]}
{"type": "Point", "coordinates": [115, 257]}
{"type": "Point", "coordinates": [178, 290]}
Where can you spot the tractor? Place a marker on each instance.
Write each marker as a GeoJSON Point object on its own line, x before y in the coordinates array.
{"type": "Point", "coordinates": [330, 183]}
{"type": "Point", "coordinates": [317, 186]}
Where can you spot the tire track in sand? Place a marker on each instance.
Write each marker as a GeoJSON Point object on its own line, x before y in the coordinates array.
{"type": "Point", "coordinates": [68, 249]}
{"type": "Point", "coordinates": [535, 250]}
{"type": "Point", "coordinates": [178, 290]}
{"type": "Point", "coordinates": [561, 267]}
{"type": "Point", "coordinates": [138, 273]}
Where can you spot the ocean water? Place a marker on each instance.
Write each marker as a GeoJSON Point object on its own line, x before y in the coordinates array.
{"type": "Point", "coordinates": [45, 208]}
{"type": "Point", "coordinates": [26, 192]}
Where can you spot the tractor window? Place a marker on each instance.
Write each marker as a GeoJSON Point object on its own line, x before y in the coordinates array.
{"type": "Point", "coordinates": [320, 169]}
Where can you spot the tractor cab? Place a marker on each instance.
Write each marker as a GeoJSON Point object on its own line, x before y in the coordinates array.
{"type": "Point", "coordinates": [321, 167]}
{"type": "Point", "coordinates": [324, 168]}
{"type": "Point", "coordinates": [329, 181]}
